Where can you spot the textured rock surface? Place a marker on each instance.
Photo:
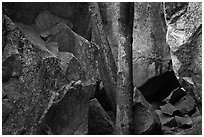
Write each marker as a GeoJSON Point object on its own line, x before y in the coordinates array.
{"type": "Point", "coordinates": [45, 82]}
{"type": "Point", "coordinates": [170, 110]}
{"type": "Point", "coordinates": [69, 115]}
{"type": "Point", "coordinates": [145, 119]}
{"type": "Point", "coordinates": [184, 36]}
{"type": "Point", "coordinates": [99, 121]}
{"type": "Point", "coordinates": [186, 105]}
{"type": "Point", "coordinates": [184, 122]}
{"type": "Point", "coordinates": [166, 120]}
{"type": "Point", "coordinates": [151, 55]}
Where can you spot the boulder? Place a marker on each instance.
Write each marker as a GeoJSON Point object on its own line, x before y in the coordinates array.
{"type": "Point", "coordinates": [82, 49]}
{"type": "Point", "coordinates": [184, 37]}
{"type": "Point", "coordinates": [186, 105]}
{"type": "Point", "coordinates": [145, 119]}
{"type": "Point", "coordinates": [99, 122]}
{"type": "Point", "coordinates": [184, 122]}
{"type": "Point", "coordinates": [69, 113]}
{"type": "Point", "coordinates": [49, 80]}
{"type": "Point", "coordinates": [170, 110]}
{"type": "Point", "coordinates": [166, 120]}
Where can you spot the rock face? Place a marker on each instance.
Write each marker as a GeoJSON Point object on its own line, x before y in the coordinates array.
{"type": "Point", "coordinates": [184, 36]}
{"type": "Point", "coordinates": [46, 83]}
{"type": "Point", "coordinates": [77, 13]}
{"type": "Point", "coordinates": [151, 55]}
{"type": "Point", "coordinates": [99, 121]}
{"type": "Point", "coordinates": [69, 115]}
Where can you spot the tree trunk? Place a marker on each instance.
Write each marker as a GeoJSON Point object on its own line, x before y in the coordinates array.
{"type": "Point", "coordinates": [124, 95]}
{"type": "Point", "coordinates": [107, 67]}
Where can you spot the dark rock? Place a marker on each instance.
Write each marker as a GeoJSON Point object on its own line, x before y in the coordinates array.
{"type": "Point", "coordinates": [166, 120]}
{"type": "Point", "coordinates": [6, 109]}
{"type": "Point", "coordinates": [99, 122]}
{"type": "Point", "coordinates": [159, 87]}
{"type": "Point", "coordinates": [69, 115]}
{"type": "Point", "coordinates": [101, 96]}
{"type": "Point", "coordinates": [46, 81]}
{"type": "Point", "coordinates": [170, 110]}
{"type": "Point", "coordinates": [3, 93]}
{"type": "Point", "coordinates": [186, 104]}
{"type": "Point", "coordinates": [194, 130]}
{"type": "Point", "coordinates": [11, 67]}
{"type": "Point", "coordinates": [168, 130]}
{"type": "Point", "coordinates": [14, 89]}
{"type": "Point", "coordinates": [76, 12]}
{"type": "Point", "coordinates": [46, 20]}
{"type": "Point", "coordinates": [184, 122]}
{"type": "Point", "coordinates": [175, 95]}
{"type": "Point", "coordinates": [145, 119]}
{"type": "Point", "coordinates": [156, 105]}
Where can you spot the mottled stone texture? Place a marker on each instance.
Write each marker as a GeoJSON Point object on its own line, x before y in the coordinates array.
{"type": "Point", "coordinates": [151, 55]}
{"type": "Point", "coordinates": [39, 79]}
{"type": "Point", "coordinates": [184, 36]}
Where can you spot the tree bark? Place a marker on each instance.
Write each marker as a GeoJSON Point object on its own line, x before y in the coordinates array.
{"type": "Point", "coordinates": [106, 63]}
{"type": "Point", "coordinates": [124, 95]}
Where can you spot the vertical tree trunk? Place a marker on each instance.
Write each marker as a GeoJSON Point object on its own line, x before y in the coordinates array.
{"type": "Point", "coordinates": [124, 95]}
{"type": "Point", "coordinates": [107, 67]}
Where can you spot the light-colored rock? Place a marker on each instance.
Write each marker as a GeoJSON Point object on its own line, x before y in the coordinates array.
{"type": "Point", "coordinates": [151, 55]}
{"type": "Point", "coordinates": [184, 36]}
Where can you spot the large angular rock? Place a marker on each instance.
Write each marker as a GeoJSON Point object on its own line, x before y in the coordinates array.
{"type": "Point", "coordinates": [170, 110]}
{"type": "Point", "coordinates": [151, 55]}
{"type": "Point", "coordinates": [47, 80]}
{"type": "Point", "coordinates": [82, 49]}
{"type": "Point", "coordinates": [186, 104]}
{"type": "Point", "coordinates": [99, 122]}
{"type": "Point", "coordinates": [145, 119]}
{"type": "Point", "coordinates": [166, 120]}
{"type": "Point", "coordinates": [69, 113]}
{"type": "Point", "coordinates": [184, 122]}
{"type": "Point", "coordinates": [184, 36]}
